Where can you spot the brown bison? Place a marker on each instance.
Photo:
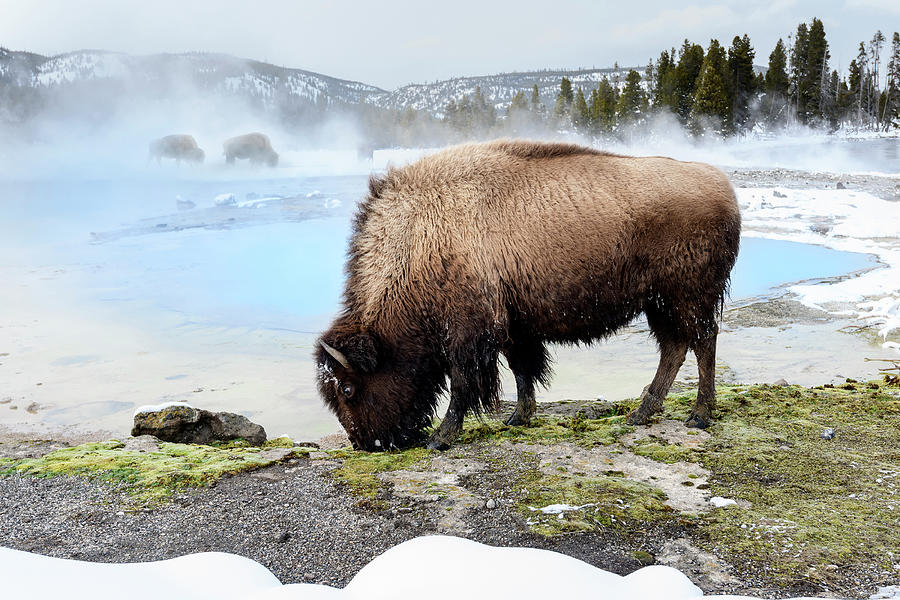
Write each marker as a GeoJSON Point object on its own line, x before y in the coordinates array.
{"type": "Point", "coordinates": [500, 248]}
{"type": "Point", "coordinates": [253, 146]}
{"type": "Point", "coordinates": [178, 146]}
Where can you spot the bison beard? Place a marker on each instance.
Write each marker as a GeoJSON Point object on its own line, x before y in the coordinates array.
{"type": "Point", "coordinates": [501, 248]}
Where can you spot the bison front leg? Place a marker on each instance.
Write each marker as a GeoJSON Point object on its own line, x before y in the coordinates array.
{"type": "Point", "coordinates": [474, 382]}
{"type": "Point", "coordinates": [701, 412]}
{"type": "Point", "coordinates": [671, 357]}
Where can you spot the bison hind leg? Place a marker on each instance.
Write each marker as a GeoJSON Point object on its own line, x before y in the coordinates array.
{"type": "Point", "coordinates": [530, 363]}
{"type": "Point", "coordinates": [705, 350]}
{"type": "Point", "coordinates": [673, 346]}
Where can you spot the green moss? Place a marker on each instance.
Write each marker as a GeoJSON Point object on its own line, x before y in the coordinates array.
{"type": "Point", "coordinates": [812, 501]}
{"type": "Point", "coordinates": [606, 501]}
{"type": "Point", "coordinates": [546, 428]}
{"type": "Point", "coordinates": [149, 477]}
{"type": "Point", "coordinates": [660, 450]}
{"type": "Point", "coordinates": [359, 469]}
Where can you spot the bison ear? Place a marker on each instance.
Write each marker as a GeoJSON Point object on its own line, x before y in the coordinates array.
{"type": "Point", "coordinates": [362, 352]}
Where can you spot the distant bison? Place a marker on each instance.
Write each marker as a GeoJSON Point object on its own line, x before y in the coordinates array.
{"type": "Point", "coordinates": [500, 248]}
{"type": "Point", "coordinates": [253, 146]}
{"type": "Point", "coordinates": [181, 147]}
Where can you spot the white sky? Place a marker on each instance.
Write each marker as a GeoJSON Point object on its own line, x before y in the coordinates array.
{"type": "Point", "coordinates": [389, 43]}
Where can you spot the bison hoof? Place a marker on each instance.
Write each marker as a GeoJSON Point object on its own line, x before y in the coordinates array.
{"type": "Point", "coordinates": [517, 420]}
{"type": "Point", "coordinates": [437, 444]}
{"type": "Point", "coordinates": [636, 417]}
{"type": "Point", "coordinates": [697, 421]}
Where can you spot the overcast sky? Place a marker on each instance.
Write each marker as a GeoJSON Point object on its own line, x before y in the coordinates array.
{"type": "Point", "coordinates": [389, 43]}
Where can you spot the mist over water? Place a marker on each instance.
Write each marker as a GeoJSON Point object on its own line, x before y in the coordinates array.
{"type": "Point", "coordinates": [135, 282]}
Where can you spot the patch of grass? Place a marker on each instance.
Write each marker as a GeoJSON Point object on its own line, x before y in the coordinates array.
{"type": "Point", "coordinates": [547, 428]}
{"type": "Point", "coordinates": [606, 501]}
{"type": "Point", "coordinates": [149, 477]}
{"type": "Point", "coordinates": [660, 450]}
{"type": "Point", "coordinates": [359, 469]}
{"type": "Point", "coordinates": [813, 502]}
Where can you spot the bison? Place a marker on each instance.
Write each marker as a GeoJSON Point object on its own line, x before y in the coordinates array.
{"type": "Point", "coordinates": [253, 146]}
{"type": "Point", "coordinates": [503, 247]}
{"type": "Point", "coordinates": [178, 146]}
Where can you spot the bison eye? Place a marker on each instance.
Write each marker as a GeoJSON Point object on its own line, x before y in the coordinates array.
{"type": "Point", "coordinates": [347, 390]}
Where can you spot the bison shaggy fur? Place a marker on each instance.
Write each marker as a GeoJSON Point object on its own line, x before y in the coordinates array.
{"type": "Point", "coordinates": [504, 247]}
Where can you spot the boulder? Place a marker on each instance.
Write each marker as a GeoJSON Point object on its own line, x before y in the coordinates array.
{"type": "Point", "coordinates": [185, 424]}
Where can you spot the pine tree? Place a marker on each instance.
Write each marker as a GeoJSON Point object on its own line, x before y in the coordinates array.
{"type": "Point", "coordinates": [777, 81]}
{"type": "Point", "coordinates": [711, 100]}
{"type": "Point", "coordinates": [603, 106]}
{"type": "Point", "coordinates": [581, 116]}
{"type": "Point", "coordinates": [742, 79]}
{"type": "Point", "coordinates": [564, 99]}
{"type": "Point", "coordinates": [663, 93]}
{"type": "Point", "coordinates": [518, 102]}
{"type": "Point", "coordinates": [536, 104]}
{"type": "Point", "coordinates": [632, 100]}
{"type": "Point", "coordinates": [687, 72]}
{"type": "Point", "coordinates": [776, 86]}
{"type": "Point", "coordinates": [892, 88]}
{"type": "Point", "coordinates": [815, 80]}
{"type": "Point", "coordinates": [798, 70]}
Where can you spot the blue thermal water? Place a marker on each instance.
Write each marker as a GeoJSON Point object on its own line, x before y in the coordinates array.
{"type": "Point", "coordinates": [246, 267]}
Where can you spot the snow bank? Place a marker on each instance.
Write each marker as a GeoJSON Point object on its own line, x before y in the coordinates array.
{"type": "Point", "coordinates": [436, 567]}
{"type": "Point", "coordinates": [846, 220]}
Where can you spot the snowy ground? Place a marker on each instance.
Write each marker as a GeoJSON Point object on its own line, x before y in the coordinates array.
{"type": "Point", "coordinates": [848, 220]}
{"type": "Point", "coordinates": [437, 567]}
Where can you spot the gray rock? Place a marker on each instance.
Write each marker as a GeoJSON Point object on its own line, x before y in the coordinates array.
{"type": "Point", "coordinates": [828, 434]}
{"type": "Point", "coordinates": [781, 383]}
{"type": "Point", "coordinates": [778, 194]}
{"type": "Point", "coordinates": [490, 504]}
{"type": "Point", "coordinates": [188, 425]}
{"type": "Point", "coordinates": [142, 443]}
{"type": "Point", "coordinates": [841, 186]}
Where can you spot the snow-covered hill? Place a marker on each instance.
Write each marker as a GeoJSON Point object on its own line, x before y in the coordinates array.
{"type": "Point", "coordinates": [498, 89]}
{"type": "Point", "coordinates": [271, 86]}
{"type": "Point", "coordinates": [163, 74]}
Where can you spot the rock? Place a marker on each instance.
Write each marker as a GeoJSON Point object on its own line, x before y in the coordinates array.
{"type": "Point", "coordinates": [285, 536]}
{"type": "Point", "coordinates": [778, 194]}
{"type": "Point", "coordinates": [781, 383]}
{"type": "Point", "coordinates": [182, 204]}
{"type": "Point", "coordinates": [184, 424]}
{"type": "Point", "coordinates": [490, 504]}
{"type": "Point", "coordinates": [142, 443]}
{"type": "Point", "coordinates": [820, 228]}
{"type": "Point", "coordinates": [828, 434]}
{"type": "Point", "coordinates": [33, 408]}
{"type": "Point", "coordinates": [841, 186]}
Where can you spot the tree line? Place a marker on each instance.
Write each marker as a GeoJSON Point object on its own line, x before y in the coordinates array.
{"type": "Point", "coordinates": [715, 89]}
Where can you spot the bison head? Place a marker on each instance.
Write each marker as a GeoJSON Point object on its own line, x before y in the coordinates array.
{"type": "Point", "coordinates": [272, 159]}
{"type": "Point", "coordinates": [383, 398]}
{"type": "Point", "coordinates": [197, 155]}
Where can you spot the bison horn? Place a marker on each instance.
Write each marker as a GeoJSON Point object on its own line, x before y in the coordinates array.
{"type": "Point", "coordinates": [336, 355]}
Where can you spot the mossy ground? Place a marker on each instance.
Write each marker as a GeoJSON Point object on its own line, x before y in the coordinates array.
{"type": "Point", "coordinates": [805, 503]}
{"type": "Point", "coordinates": [359, 469]}
{"type": "Point", "coordinates": [151, 476]}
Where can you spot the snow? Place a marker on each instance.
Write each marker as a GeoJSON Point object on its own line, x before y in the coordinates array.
{"type": "Point", "coordinates": [846, 220]}
{"type": "Point", "coordinates": [159, 407]}
{"type": "Point", "coordinates": [225, 200]}
{"type": "Point", "coordinates": [556, 509]}
{"type": "Point", "coordinates": [439, 567]}
{"type": "Point", "coordinates": [720, 502]}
